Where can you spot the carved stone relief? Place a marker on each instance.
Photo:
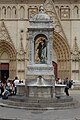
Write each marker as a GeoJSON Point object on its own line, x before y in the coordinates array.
{"type": "Point", "coordinates": [64, 12]}
{"type": "Point", "coordinates": [51, 11]}
{"type": "Point", "coordinates": [4, 35]}
{"type": "Point", "coordinates": [32, 12]}
{"type": "Point", "coordinates": [75, 51]}
{"type": "Point", "coordinates": [40, 70]}
{"type": "Point", "coordinates": [40, 41]}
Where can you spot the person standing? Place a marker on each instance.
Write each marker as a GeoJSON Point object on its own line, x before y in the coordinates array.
{"type": "Point", "coordinates": [16, 82]}
{"type": "Point", "coordinates": [66, 82]}
{"type": "Point", "coordinates": [1, 87]}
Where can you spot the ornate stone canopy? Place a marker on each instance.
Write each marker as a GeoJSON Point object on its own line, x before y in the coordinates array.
{"type": "Point", "coordinates": [41, 16]}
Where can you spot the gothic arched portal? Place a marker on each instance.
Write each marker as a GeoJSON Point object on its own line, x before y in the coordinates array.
{"type": "Point", "coordinates": [8, 56]}
{"type": "Point", "coordinates": [62, 51]}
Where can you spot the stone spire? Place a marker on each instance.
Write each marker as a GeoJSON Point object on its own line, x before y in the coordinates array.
{"type": "Point", "coordinates": [75, 51]}
{"type": "Point", "coordinates": [41, 16]}
{"type": "Point", "coordinates": [4, 34]}
{"type": "Point", "coordinates": [21, 48]}
{"type": "Point", "coordinates": [41, 8]}
{"type": "Point", "coordinates": [75, 46]}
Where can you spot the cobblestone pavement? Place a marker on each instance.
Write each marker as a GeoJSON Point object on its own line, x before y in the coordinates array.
{"type": "Point", "coordinates": [64, 114]}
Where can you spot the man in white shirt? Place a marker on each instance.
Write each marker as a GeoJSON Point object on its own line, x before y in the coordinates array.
{"type": "Point", "coordinates": [16, 82]}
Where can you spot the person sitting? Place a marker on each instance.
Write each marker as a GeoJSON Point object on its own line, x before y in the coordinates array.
{"type": "Point", "coordinates": [5, 94]}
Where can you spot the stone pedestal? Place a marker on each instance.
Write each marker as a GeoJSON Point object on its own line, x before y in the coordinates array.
{"type": "Point", "coordinates": [59, 90]}
{"type": "Point", "coordinates": [40, 92]}
{"type": "Point", "coordinates": [21, 89]}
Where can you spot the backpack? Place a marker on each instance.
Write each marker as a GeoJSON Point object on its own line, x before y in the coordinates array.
{"type": "Point", "coordinates": [5, 94]}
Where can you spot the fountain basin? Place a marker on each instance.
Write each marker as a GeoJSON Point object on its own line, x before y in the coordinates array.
{"type": "Point", "coordinates": [59, 90]}
{"type": "Point", "coordinates": [40, 88]}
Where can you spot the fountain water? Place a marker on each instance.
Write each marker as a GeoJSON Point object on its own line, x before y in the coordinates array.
{"type": "Point", "coordinates": [40, 88]}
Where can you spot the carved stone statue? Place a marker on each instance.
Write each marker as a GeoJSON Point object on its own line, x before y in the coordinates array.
{"type": "Point", "coordinates": [42, 51]}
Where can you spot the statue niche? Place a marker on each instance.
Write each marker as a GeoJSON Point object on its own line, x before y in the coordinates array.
{"type": "Point", "coordinates": [40, 53]}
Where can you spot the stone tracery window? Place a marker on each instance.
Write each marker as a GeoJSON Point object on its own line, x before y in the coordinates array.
{"type": "Point", "coordinates": [22, 12]}
{"type": "Point", "coordinates": [4, 12]}
{"type": "Point", "coordinates": [8, 12]}
{"type": "Point", "coordinates": [57, 9]}
{"type": "Point", "coordinates": [14, 12]}
{"type": "Point", "coordinates": [76, 12]}
{"type": "Point", "coordinates": [64, 12]}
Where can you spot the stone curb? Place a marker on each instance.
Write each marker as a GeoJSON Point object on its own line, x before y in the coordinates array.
{"type": "Point", "coordinates": [16, 104]}
{"type": "Point", "coordinates": [37, 108]}
{"type": "Point", "coordinates": [9, 119]}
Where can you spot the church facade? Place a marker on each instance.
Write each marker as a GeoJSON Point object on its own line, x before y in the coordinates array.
{"type": "Point", "coordinates": [14, 36]}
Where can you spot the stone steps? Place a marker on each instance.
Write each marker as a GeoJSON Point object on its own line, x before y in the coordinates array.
{"type": "Point", "coordinates": [40, 100]}
{"type": "Point", "coordinates": [40, 103]}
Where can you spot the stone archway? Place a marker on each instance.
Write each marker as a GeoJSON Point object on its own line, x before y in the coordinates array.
{"type": "Point", "coordinates": [8, 55]}
{"type": "Point", "coordinates": [62, 51]}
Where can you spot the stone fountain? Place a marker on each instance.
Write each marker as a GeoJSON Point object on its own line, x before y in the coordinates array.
{"type": "Point", "coordinates": [40, 72]}
{"type": "Point", "coordinates": [40, 88]}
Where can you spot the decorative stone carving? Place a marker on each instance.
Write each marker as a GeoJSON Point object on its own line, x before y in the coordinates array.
{"type": "Point", "coordinates": [4, 35]}
{"type": "Point", "coordinates": [65, 12]}
{"type": "Point", "coordinates": [40, 32]}
{"type": "Point", "coordinates": [51, 11]}
{"type": "Point", "coordinates": [75, 51]}
{"type": "Point", "coordinates": [32, 12]}
{"type": "Point", "coordinates": [49, 5]}
{"type": "Point", "coordinates": [75, 60]}
{"type": "Point", "coordinates": [21, 58]}
{"type": "Point", "coordinates": [13, 1]}
{"type": "Point", "coordinates": [38, 29]}
{"type": "Point", "coordinates": [40, 70]}
{"type": "Point", "coordinates": [21, 48]}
